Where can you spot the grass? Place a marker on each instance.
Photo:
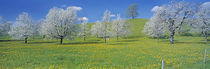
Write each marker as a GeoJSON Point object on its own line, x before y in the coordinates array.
{"type": "Point", "coordinates": [135, 52]}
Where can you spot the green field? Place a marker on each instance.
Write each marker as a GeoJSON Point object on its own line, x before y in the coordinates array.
{"type": "Point", "coordinates": [135, 52]}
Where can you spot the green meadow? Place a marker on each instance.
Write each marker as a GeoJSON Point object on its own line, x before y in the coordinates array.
{"type": "Point", "coordinates": [135, 52]}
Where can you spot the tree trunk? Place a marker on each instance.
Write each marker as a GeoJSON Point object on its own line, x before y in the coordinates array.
{"type": "Point", "coordinates": [84, 37]}
{"type": "Point", "coordinates": [205, 34]}
{"type": "Point", "coordinates": [105, 39]}
{"type": "Point", "coordinates": [172, 38]}
{"type": "Point", "coordinates": [43, 36]}
{"type": "Point", "coordinates": [117, 37]}
{"type": "Point", "coordinates": [61, 40]}
{"type": "Point", "coordinates": [26, 40]}
{"type": "Point", "coordinates": [157, 36]}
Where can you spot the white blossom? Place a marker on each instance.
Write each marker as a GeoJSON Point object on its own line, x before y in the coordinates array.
{"type": "Point", "coordinates": [120, 27]}
{"type": "Point", "coordinates": [97, 29]}
{"type": "Point", "coordinates": [23, 28]}
{"type": "Point", "coordinates": [60, 23]}
{"type": "Point", "coordinates": [203, 18]}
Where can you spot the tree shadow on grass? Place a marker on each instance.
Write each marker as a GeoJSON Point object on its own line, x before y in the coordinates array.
{"type": "Point", "coordinates": [9, 40]}
{"type": "Point", "coordinates": [133, 37]}
{"type": "Point", "coordinates": [129, 40]}
{"type": "Point", "coordinates": [41, 42]}
{"type": "Point", "coordinates": [118, 44]}
{"type": "Point", "coordinates": [186, 42]}
{"type": "Point", "coordinates": [181, 42]}
{"type": "Point", "coordinates": [80, 43]}
{"type": "Point", "coordinates": [94, 40]}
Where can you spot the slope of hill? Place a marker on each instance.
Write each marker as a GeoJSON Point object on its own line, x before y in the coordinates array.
{"type": "Point", "coordinates": [135, 52]}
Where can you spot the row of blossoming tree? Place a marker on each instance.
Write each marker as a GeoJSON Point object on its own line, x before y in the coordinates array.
{"type": "Point", "coordinates": [167, 20]}
{"type": "Point", "coordinates": [178, 17]}
{"type": "Point", "coordinates": [62, 23]}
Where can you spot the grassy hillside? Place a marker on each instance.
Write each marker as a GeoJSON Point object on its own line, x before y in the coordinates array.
{"type": "Point", "coordinates": [135, 52]}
